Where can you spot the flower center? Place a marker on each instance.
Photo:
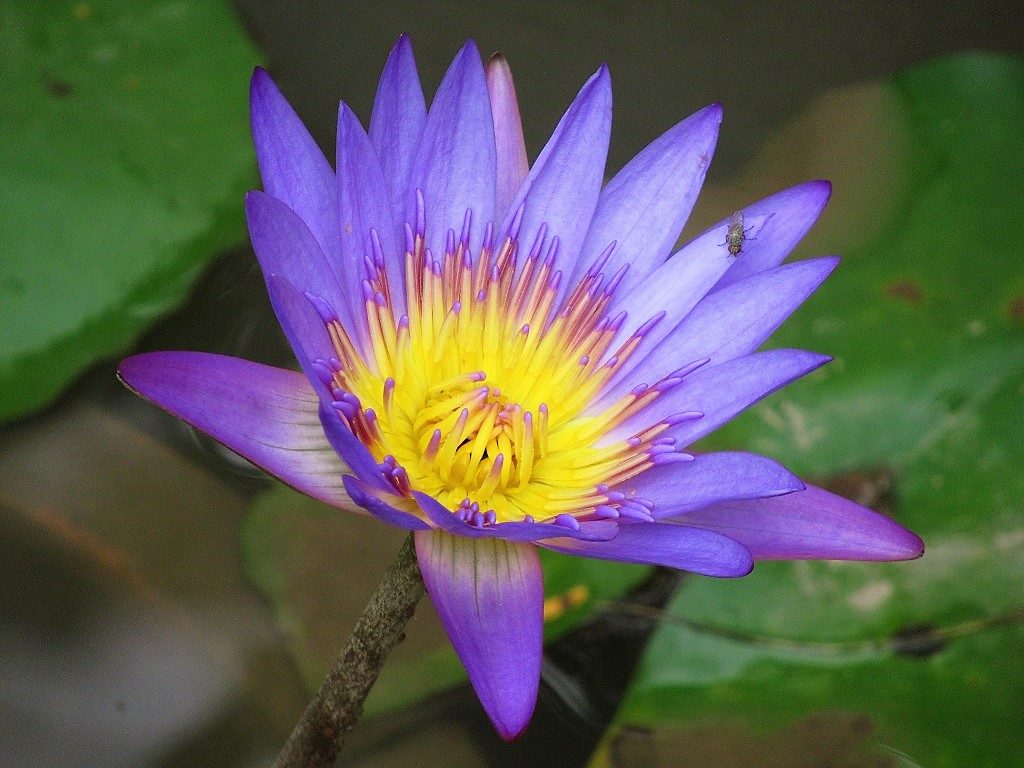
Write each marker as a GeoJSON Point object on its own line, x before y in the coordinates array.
{"type": "Point", "coordinates": [475, 439]}
{"type": "Point", "coordinates": [480, 394]}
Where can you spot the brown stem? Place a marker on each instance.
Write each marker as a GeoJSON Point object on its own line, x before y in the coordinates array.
{"type": "Point", "coordinates": [320, 733]}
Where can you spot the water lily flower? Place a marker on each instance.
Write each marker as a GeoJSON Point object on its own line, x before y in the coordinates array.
{"type": "Point", "coordinates": [500, 357]}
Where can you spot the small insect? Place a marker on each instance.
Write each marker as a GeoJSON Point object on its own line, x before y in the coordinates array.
{"type": "Point", "coordinates": [736, 235]}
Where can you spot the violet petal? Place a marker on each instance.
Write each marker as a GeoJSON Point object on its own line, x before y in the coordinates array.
{"type": "Point", "coordinates": [285, 246]}
{"type": "Point", "coordinates": [591, 530]}
{"type": "Point", "coordinates": [293, 167]}
{"type": "Point", "coordinates": [689, 549]}
{"type": "Point", "coordinates": [708, 479]}
{"type": "Point", "coordinates": [396, 124]}
{"type": "Point", "coordinates": [720, 392]}
{"type": "Point", "coordinates": [808, 524]}
{"type": "Point", "coordinates": [727, 323]}
{"type": "Point", "coordinates": [364, 204]}
{"type": "Point", "coordinates": [358, 457]}
{"type": "Point", "coordinates": [489, 595]}
{"type": "Point", "coordinates": [380, 504]}
{"type": "Point", "coordinates": [673, 289]}
{"type": "Point", "coordinates": [787, 216]}
{"type": "Point", "coordinates": [304, 330]}
{"type": "Point", "coordinates": [268, 415]}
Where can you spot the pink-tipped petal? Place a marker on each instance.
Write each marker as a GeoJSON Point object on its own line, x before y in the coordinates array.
{"type": "Point", "coordinates": [489, 595]}
{"type": "Point", "coordinates": [512, 163]}
{"type": "Point", "coordinates": [809, 524]}
{"type": "Point", "coordinates": [268, 415]}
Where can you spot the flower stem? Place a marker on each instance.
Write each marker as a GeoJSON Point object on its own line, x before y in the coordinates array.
{"type": "Point", "coordinates": [320, 733]}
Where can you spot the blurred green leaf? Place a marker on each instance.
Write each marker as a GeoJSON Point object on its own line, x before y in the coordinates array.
{"type": "Point", "coordinates": [926, 319]}
{"type": "Point", "coordinates": [125, 156]}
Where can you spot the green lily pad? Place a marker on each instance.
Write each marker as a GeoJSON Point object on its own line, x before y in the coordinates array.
{"type": "Point", "coordinates": [318, 566]}
{"type": "Point", "coordinates": [125, 156]}
{"type": "Point", "coordinates": [926, 319]}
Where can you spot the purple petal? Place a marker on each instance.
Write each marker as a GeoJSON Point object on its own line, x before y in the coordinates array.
{"type": "Point", "coordinates": [710, 478]}
{"type": "Point", "coordinates": [294, 169]}
{"type": "Point", "coordinates": [643, 209]}
{"type": "Point", "coordinates": [563, 186]}
{"type": "Point", "coordinates": [304, 329]}
{"type": "Point", "coordinates": [455, 164]}
{"type": "Point", "coordinates": [380, 504]}
{"type": "Point", "coordinates": [445, 519]}
{"type": "Point", "coordinates": [364, 204]}
{"type": "Point", "coordinates": [358, 457]}
{"type": "Point", "coordinates": [285, 246]}
{"type": "Point", "coordinates": [396, 124]}
{"type": "Point", "coordinates": [780, 222]}
{"type": "Point", "coordinates": [728, 323]}
{"type": "Point", "coordinates": [720, 392]}
{"type": "Point", "coordinates": [690, 549]}
{"type": "Point", "coordinates": [268, 415]}
{"type": "Point", "coordinates": [512, 163]}
{"type": "Point", "coordinates": [489, 595]}
{"type": "Point", "coordinates": [810, 524]}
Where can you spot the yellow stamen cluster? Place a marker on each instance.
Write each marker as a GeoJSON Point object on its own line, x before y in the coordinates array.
{"type": "Point", "coordinates": [477, 393]}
